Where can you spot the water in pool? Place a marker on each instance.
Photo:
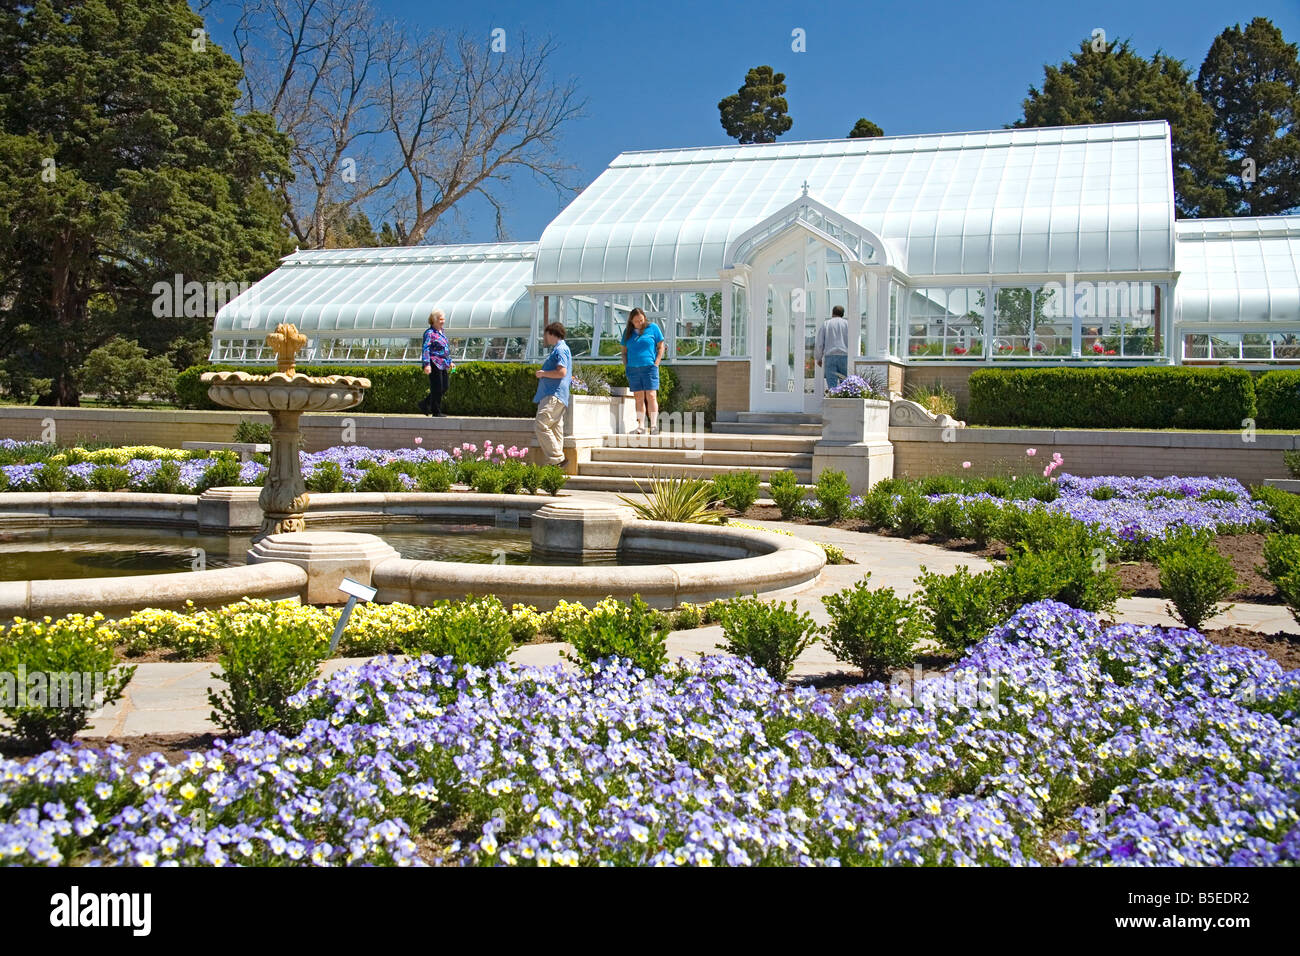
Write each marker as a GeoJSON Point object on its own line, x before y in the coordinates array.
{"type": "Point", "coordinates": [93, 552]}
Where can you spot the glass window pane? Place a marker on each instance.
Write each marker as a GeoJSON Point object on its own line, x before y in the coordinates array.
{"type": "Point", "coordinates": [945, 322]}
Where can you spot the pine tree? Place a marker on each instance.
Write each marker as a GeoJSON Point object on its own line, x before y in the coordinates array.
{"type": "Point", "coordinates": [1112, 84]}
{"type": "Point", "coordinates": [1251, 80]}
{"type": "Point", "coordinates": [756, 112]}
{"type": "Point", "coordinates": [122, 164]}
{"type": "Point", "coordinates": [864, 128]}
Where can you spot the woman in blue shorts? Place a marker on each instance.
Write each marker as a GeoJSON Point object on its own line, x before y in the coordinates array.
{"type": "Point", "coordinates": [643, 349]}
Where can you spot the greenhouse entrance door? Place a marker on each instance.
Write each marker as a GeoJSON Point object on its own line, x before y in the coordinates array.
{"type": "Point", "coordinates": [796, 281]}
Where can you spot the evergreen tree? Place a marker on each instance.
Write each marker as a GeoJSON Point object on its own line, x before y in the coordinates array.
{"type": "Point", "coordinates": [122, 165]}
{"type": "Point", "coordinates": [1251, 80]}
{"type": "Point", "coordinates": [756, 112]}
{"type": "Point", "coordinates": [1113, 84]}
{"type": "Point", "coordinates": [864, 128]}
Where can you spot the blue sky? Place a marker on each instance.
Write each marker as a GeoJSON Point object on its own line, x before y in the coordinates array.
{"type": "Point", "coordinates": [653, 72]}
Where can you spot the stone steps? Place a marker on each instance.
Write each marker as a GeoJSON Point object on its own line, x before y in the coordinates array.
{"type": "Point", "coordinates": [645, 470]}
{"type": "Point", "coordinates": [625, 484]}
{"type": "Point", "coordinates": [789, 418]}
{"type": "Point", "coordinates": [688, 456]}
{"type": "Point", "coordinates": [786, 429]}
{"type": "Point", "coordinates": [714, 441]}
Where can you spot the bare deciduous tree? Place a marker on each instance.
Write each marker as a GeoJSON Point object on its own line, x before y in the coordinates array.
{"type": "Point", "coordinates": [469, 122]}
{"type": "Point", "coordinates": [404, 124]}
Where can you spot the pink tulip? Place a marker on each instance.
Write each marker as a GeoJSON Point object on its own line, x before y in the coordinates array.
{"type": "Point", "coordinates": [419, 440]}
{"type": "Point", "coordinates": [1047, 472]}
{"type": "Point", "coordinates": [456, 453]}
{"type": "Point", "coordinates": [965, 464]}
{"type": "Point", "coordinates": [1031, 452]}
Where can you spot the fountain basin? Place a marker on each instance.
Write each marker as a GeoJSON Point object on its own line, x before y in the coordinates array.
{"type": "Point", "coordinates": [694, 563]}
{"type": "Point", "coordinates": [280, 392]}
{"type": "Point", "coordinates": [725, 562]}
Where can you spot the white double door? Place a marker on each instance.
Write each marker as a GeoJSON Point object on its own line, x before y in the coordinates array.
{"type": "Point", "coordinates": [795, 284]}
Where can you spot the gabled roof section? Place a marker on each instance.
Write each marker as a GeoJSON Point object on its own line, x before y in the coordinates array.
{"type": "Point", "coordinates": [1239, 270]}
{"type": "Point", "coordinates": [377, 291]}
{"type": "Point", "coordinates": [1063, 199]}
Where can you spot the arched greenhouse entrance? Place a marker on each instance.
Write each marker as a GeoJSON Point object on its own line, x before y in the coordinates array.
{"type": "Point", "coordinates": [796, 266]}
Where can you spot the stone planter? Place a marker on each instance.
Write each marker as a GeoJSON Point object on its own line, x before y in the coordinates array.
{"type": "Point", "coordinates": [854, 420]}
{"type": "Point", "coordinates": [595, 416]}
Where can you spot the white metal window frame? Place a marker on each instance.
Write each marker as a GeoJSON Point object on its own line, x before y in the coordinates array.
{"type": "Point", "coordinates": [991, 285]}
{"type": "Point", "coordinates": [1221, 331]}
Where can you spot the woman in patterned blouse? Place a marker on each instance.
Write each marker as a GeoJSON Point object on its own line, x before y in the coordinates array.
{"type": "Point", "coordinates": [435, 353]}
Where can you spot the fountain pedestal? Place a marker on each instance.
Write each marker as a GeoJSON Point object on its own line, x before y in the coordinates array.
{"type": "Point", "coordinates": [285, 395]}
{"type": "Point", "coordinates": [579, 529]}
{"type": "Point", "coordinates": [328, 557]}
{"type": "Point", "coordinates": [284, 493]}
{"type": "Point", "coordinates": [230, 509]}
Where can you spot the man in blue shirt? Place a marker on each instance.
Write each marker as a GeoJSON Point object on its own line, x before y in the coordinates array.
{"type": "Point", "coordinates": [552, 396]}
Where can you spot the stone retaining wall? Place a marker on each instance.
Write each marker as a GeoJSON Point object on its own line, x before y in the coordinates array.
{"type": "Point", "coordinates": [169, 428]}
{"type": "Point", "coordinates": [921, 451]}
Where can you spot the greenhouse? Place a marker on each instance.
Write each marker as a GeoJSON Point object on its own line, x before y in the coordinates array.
{"type": "Point", "coordinates": [1039, 246]}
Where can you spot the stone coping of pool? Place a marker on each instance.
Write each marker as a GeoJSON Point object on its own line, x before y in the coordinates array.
{"type": "Point", "coordinates": [121, 595]}
{"type": "Point", "coordinates": [738, 561]}
{"type": "Point", "coordinates": [236, 509]}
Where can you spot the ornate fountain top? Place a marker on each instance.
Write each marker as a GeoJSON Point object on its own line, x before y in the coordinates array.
{"type": "Point", "coordinates": [285, 342]}
{"type": "Point", "coordinates": [285, 389]}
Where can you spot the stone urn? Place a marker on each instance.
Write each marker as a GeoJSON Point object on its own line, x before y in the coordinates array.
{"type": "Point", "coordinates": [285, 395]}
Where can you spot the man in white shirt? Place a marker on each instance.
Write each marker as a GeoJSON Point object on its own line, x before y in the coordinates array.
{"type": "Point", "coordinates": [833, 347]}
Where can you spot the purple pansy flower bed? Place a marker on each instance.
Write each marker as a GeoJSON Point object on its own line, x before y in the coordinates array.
{"type": "Point", "coordinates": [1148, 509]}
{"type": "Point", "coordinates": [141, 470]}
{"type": "Point", "coordinates": [1130, 745]}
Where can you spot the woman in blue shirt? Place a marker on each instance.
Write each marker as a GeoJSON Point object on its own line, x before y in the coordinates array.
{"type": "Point", "coordinates": [643, 349]}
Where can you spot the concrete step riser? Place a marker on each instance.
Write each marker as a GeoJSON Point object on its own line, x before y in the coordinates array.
{"type": "Point", "coordinates": [625, 485]}
{"type": "Point", "coordinates": [713, 442]}
{"type": "Point", "coordinates": [792, 418]}
{"type": "Point", "coordinates": [623, 469]}
{"type": "Point", "coordinates": [735, 459]}
{"type": "Point", "coordinates": [765, 428]}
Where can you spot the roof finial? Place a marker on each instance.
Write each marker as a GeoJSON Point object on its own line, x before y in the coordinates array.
{"type": "Point", "coordinates": [805, 187]}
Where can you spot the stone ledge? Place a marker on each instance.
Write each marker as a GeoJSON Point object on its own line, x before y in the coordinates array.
{"type": "Point", "coordinates": [1145, 439]}
{"type": "Point", "coordinates": [122, 595]}
{"type": "Point", "coordinates": [784, 565]}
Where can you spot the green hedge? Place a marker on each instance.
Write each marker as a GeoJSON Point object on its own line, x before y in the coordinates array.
{"type": "Point", "coordinates": [393, 388]}
{"type": "Point", "coordinates": [617, 376]}
{"type": "Point", "coordinates": [486, 389]}
{"type": "Point", "coordinates": [1112, 397]}
{"type": "Point", "coordinates": [1278, 395]}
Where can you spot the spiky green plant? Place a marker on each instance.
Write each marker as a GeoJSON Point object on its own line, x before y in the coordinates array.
{"type": "Point", "coordinates": [675, 498]}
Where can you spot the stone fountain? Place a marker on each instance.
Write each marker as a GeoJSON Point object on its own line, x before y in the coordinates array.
{"type": "Point", "coordinates": [285, 394]}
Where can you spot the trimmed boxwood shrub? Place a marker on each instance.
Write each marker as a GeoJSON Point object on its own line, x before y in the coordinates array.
{"type": "Point", "coordinates": [487, 389]}
{"type": "Point", "coordinates": [1112, 397]}
{"type": "Point", "coordinates": [616, 375]}
{"type": "Point", "coordinates": [1278, 396]}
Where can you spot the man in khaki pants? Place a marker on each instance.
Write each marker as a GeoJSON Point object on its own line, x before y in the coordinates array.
{"type": "Point", "coordinates": [552, 396]}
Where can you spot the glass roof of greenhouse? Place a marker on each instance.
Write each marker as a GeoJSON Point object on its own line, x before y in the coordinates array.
{"type": "Point", "coordinates": [377, 290]}
{"type": "Point", "coordinates": [1072, 199]}
{"type": "Point", "coordinates": [1239, 270]}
